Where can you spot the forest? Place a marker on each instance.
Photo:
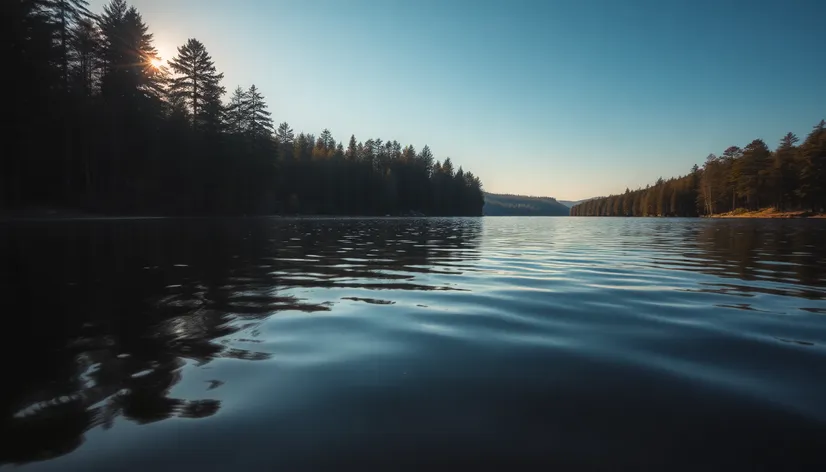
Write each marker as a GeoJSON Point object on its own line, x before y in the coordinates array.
{"type": "Point", "coordinates": [519, 205]}
{"type": "Point", "coordinates": [792, 177]}
{"type": "Point", "coordinates": [100, 123]}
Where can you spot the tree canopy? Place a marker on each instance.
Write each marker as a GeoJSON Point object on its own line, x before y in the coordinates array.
{"type": "Point", "coordinates": [102, 125]}
{"type": "Point", "coordinates": [789, 178]}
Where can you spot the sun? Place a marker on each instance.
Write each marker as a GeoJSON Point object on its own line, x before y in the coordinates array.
{"type": "Point", "coordinates": [156, 62]}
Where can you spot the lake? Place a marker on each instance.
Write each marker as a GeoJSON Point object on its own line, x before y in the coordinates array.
{"type": "Point", "coordinates": [326, 344]}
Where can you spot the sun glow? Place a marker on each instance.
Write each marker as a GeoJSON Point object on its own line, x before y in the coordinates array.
{"type": "Point", "coordinates": [156, 62]}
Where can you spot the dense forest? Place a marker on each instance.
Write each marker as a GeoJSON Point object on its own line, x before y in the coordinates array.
{"type": "Point", "coordinates": [100, 123]}
{"type": "Point", "coordinates": [519, 205]}
{"type": "Point", "coordinates": [792, 177]}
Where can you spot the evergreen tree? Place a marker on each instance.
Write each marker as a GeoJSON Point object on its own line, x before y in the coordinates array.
{"type": "Point", "coordinates": [237, 112]}
{"type": "Point", "coordinates": [728, 160]}
{"type": "Point", "coordinates": [812, 189]}
{"type": "Point", "coordinates": [747, 169]}
{"type": "Point", "coordinates": [750, 178]}
{"type": "Point", "coordinates": [447, 167]}
{"type": "Point", "coordinates": [129, 56]}
{"type": "Point", "coordinates": [783, 178]}
{"type": "Point", "coordinates": [426, 160]}
{"type": "Point", "coordinates": [367, 151]}
{"type": "Point", "coordinates": [300, 147]}
{"type": "Point", "coordinates": [327, 140]}
{"type": "Point", "coordinates": [352, 149]}
{"type": "Point", "coordinates": [85, 60]}
{"type": "Point", "coordinates": [65, 15]}
{"type": "Point", "coordinates": [408, 154]}
{"type": "Point", "coordinates": [198, 83]}
{"type": "Point", "coordinates": [284, 134]}
{"type": "Point", "coordinates": [133, 136]}
{"type": "Point", "coordinates": [319, 149]}
{"type": "Point", "coordinates": [711, 185]}
{"type": "Point", "coordinates": [259, 119]}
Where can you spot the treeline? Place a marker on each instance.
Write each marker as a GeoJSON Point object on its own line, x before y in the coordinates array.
{"type": "Point", "coordinates": [100, 123]}
{"type": "Point", "coordinates": [519, 205]}
{"type": "Point", "coordinates": [792, 177]}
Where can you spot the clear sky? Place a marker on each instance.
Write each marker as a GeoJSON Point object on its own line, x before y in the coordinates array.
{"type": "Point", "coordinates": [564, 98]}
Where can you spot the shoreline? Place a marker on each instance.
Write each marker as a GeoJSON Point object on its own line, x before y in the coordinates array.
{"type": "Point", "coordinates": [63, 214]}
{"type": "Point", "coordinates": [769, 213]}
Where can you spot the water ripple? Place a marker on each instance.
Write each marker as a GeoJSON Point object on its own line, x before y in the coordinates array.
{"type": "Point", "coordinates": [575, 342]}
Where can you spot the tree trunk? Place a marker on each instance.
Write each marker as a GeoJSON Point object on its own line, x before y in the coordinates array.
{"type": "Point", "coordinates": [67, 156]}
{"type": "Point", "coordinates": [63, 49]}
{"type": "Point", "coordinates": [194, 100]}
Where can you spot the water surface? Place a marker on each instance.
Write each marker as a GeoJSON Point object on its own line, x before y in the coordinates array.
{"type": "Point", "coordinates": [316, 344]}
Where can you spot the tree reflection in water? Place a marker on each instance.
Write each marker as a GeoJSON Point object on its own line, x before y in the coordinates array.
{"type": "Point", "coordinates": [103, 315]}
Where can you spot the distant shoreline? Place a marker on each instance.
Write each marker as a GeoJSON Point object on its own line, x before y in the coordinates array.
{"type": "Point", "coordinates": [768, 213]}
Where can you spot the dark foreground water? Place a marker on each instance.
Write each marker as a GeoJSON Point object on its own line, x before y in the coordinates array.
{"type": "Point", "coordinates": [269, 344]}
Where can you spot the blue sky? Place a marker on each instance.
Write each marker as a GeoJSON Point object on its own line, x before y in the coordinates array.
{"type": "Point", "coordinates": [571, 99]}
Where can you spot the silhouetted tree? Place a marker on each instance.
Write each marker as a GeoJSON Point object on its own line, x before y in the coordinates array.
{"type": "Point", "coordinates": [65, 15]}
{"type": "Point", "coordinates": [258, 118]}
{"type": "Point", "coordinates": [352, 149]}
{"type": "Point", "coordinates": [128, 134]}
{"type": "Point", "coordinates": [85, 63]}
{"type": "Point", "coordinates": [237, 113]}
{"type": "Point", "coordinates": [198, 83]}
{"type": "Point", "coordinates": [130, 78]}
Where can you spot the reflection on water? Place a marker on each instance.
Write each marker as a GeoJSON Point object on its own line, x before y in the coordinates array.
{"type": "Point", "coordinates": [510, 338]}
{"type": "Point", "coordinates": [113, 310]}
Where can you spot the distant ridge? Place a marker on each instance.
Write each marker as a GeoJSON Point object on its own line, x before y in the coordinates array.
{"type": "Point", "coordinates": [571, 203]}
{"type": "Point", "coordinates": [520, 205]}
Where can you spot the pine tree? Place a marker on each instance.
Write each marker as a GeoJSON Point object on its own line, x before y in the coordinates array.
{"type": "Point", "coordinates": [86, 63]}
{"type": "Point", "coordinates": [394, 150]}
{"type": "Point", "coordinates": [748, 168]}
{"type": "Point", "coordinates": [812, 188]}
{"type": "Point", "coordinates": [300, 147]}
{"type": "Point", "coordinates": [111, 25]}
{"type": "Point", "coordinates": [790, 178]}
{"type": "Point", "coordinates": [368, 153]}
{"type": "Point", "coordinates": [198, 83]}
{"type": "Point", "coordinates": [447, 167]}
{"type": "Point", "coordinates": [143, 140]}
{"type": "Point", "coordinates": [408, 154]}
{"type": "Point", "coordinates": [258, 118]}
{"type": "Point", "coordinates": [782, 174]}
{"type": "Point", "coordinates": [711, 185]}
{"type": "Point", "coordinates": [128, 56]}
{"type": "Point", "coordinates": [284, 137]}
{"type": "Point", "coordinates": [66, 14]}
{"type": "Point", "coordinates": [62, 16]}
{"type": "Point", "coordinates": [236, 112]}
{"type": "Point", "coordinates": [426, 159]}
{"type": "Point", "coordinates": [352, 149]}
{"type": "Point", "coordinates": [729, 159]}
{"type": "Point", "coordinates": [284, 134]}
{"type": "Point", "coordinates": [327, 139]}
{"type": "Point", "coordinates": [319, 149]}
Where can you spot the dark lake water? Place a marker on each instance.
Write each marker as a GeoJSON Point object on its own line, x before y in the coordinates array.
{"type": "Point", "coordinates": [322, 344]}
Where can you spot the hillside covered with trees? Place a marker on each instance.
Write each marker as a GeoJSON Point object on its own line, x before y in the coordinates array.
{"type": "Point", "coordinates": [792, 177]}
{"type": "Point", "coordinates": [100, 123]}
{"type": "Point", "coordinates": [519, 205]}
